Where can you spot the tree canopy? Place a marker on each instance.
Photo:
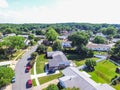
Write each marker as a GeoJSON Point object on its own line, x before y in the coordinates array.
{"type": "Point", "coordinates": [79, 39]}
{"type": "Point", "coordinates": [41, 49]}
{"type": "Point", "coordinates": [52, 87]}
{"type": "Point", "coordinates": [109, 31]}
{"type": "Point", "coordinates": [51, 34]}
{"type": "Point", "coordinates": [6, 75]}
{"type": "Point", "coordinates": [57, 46]}
{"type": "Point", "coordinates": [99, 40]}
{"type": "Point", "coordinates": [15, 42]}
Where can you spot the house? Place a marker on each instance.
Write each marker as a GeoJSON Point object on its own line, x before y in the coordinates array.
{"type": "Point", "coordinates": [114, 40]}
{"type": "Point", "coordinates": [11, 34]}
{"type": "Point", "coordinates": [27, 42]}
{"type": "Point", "coordinates": [66, 44]}
{"type": "Point", "coordinates": [62, 37]}
{"type": "Point", "coordinates": [57, 60]}
{"type": "Point", "coordinates": [101, 34]}
{"type": "Point", "coordinates": [25, 36]}
{"type": "Point", "coordinates": [98, 47]}
{"type": "Point", "coordinates": [72, 77]}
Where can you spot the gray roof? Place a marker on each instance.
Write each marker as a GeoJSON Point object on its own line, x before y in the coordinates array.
{"type": "Point", "coordinates": [58, 58]}
{"type": "Point", "coordinates": [74, 78]}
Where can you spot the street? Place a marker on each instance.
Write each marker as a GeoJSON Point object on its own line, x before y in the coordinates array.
{"type": "Point", "coordinates": [21, 76]}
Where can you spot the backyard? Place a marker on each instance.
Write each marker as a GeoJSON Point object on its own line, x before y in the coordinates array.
{"type": "Point", "coordinates": [104, 72]}
{"type": "Point", "coordinates": [77, 59]}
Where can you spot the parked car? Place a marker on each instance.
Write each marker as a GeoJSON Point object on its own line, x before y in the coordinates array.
{"type": "Point", "coordinates": [28, 68]}
{"type": "Point", "coordinates": [29, 83]}
{"type": "Point", "coordinates": [51, 71]}
{"type": "Point", "coordinates": [13, 80]}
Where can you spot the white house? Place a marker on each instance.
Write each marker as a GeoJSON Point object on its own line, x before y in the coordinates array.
{"type": "Point", "coordinates": [101, 34]}
{"type": "Point", "coordinates": [98, 47]}
{"type": "Point", "coordinates": [75, 78]}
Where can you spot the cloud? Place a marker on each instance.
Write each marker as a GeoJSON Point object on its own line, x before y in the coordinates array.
{"type": "Point", "coordinates": [95, 11]}
{"type": "Point", "coordinates": [3, 4]}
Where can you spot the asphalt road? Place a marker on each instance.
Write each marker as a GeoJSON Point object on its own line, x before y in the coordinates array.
{"type": "Point", "coordinates": [21, 76]}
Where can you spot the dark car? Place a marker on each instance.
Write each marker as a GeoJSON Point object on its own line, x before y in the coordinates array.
{"type": "Point", "coordinates": [51, 71]}
{"type": "Point", "coordinates": [13, 80]}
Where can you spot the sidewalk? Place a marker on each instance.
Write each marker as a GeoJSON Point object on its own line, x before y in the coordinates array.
{"type": "Point", "coordinates": [42, 75]}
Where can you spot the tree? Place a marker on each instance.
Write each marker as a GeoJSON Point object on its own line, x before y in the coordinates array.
{"type": "Point", "coordinates": [14, 42]}
{"type": "Point", "coordinates": [41, 49]}
{"type": "Point", "coordinates": [109, 31]}
{"type": "Point", "coordinates": [51, 34]}
{"type": "Point", "coordinates": [79, 39]}
{"type": "Point", "coordinates": [99, 40]}
{"type": "Point", "coordinates": [33, 55]}
{"type": "Point", "coordinates": [6, 75]}
{"type": "Point", "coordinates": [31, 36]}
{"type": "Point", "coordinates": [90, 64]}
{"type": "Point", "coordinates": [52, 87]}
{"type": "Point", "coordinates": [57, 46]}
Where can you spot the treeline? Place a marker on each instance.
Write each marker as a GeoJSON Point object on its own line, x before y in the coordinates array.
{"type": "Point", "coordinates": [41, 28]}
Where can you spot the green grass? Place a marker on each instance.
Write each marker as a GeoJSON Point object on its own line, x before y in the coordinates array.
{"type": "Point", "coordinates": [32, 71]}
{"type": "Point", "coordinates": [34, 82]}
{"type": "Point", "coordinates": [49, 49]}
{"type": "Point", "coordinates": [104, 72]}
{"type": "Point", "coordinates": [81, 62]}
{"type": "Point", "coordinates": [45, 79]}
{"type": "Point", "coordinates": [40, 63]}
{"type": "Point", "coordinates": [101, 53]}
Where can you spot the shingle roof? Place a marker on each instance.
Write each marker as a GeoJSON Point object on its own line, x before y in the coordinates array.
{"type": "Point", "coordinates": [58, 58]}
{"type": "Point", "coordinates": [80, 80]}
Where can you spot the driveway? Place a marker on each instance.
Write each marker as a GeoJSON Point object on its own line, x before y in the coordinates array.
{"type": "Point", "coordinates": [20, 74]}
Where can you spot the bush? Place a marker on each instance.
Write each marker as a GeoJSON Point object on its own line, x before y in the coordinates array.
{"type": "Point", "coordinates": [52, 87]}
{"type": "Point", "coordinates": [41, 49]}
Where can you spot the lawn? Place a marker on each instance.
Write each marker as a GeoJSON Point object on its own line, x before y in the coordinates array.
{"type": "Point", "coordinates": [34, 82]}
{"type": "Point", "coordinates": [32, 70]}
{"type": "Point", "coordinates": [40, 63]}
{"type": "Point", "coordinates": [104, 72]}
{"type": "Point", "coordinates": [45, 79]}
{"type": "Point", "coordinates": [81, 62]}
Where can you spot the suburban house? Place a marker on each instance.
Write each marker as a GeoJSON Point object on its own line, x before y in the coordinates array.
{"type": "Point", "coordinates": [57, 60]}
{"type": "Point", "coordinates": [101, 34]}
{"type": "Point", "coordinates": [11, 34]}
{"type": "Point", "coordinates": [80, 79]}
{"type": "Point", "coordinates": [98, 47]}
{"type": "Point", "coordinates": [25, 36]}
{"type": "Point", "coordinates": [62, 37]}
{"type": "Point", "coordinates": [114, 40]}
{"type": "Point", "coordinates": [66, 44]}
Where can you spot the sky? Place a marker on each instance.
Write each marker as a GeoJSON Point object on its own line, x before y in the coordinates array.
{"type": "Point", "coordinates": [60, 11]}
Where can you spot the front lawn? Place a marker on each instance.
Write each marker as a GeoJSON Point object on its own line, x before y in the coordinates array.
{"type": "Point", "coordinates": [34, 82]}
{"type": "Point", "coordinates": [45, 79]}
{"type": "Point", "coordinates": [40, 63]}
{"type": "Point", "coordinates": [104, 72]}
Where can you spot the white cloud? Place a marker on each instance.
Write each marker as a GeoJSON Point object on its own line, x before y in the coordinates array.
{"type": "Point", "coordinates": [95, 11]}
{"type": "Point", "coordinates": [3, 4]}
